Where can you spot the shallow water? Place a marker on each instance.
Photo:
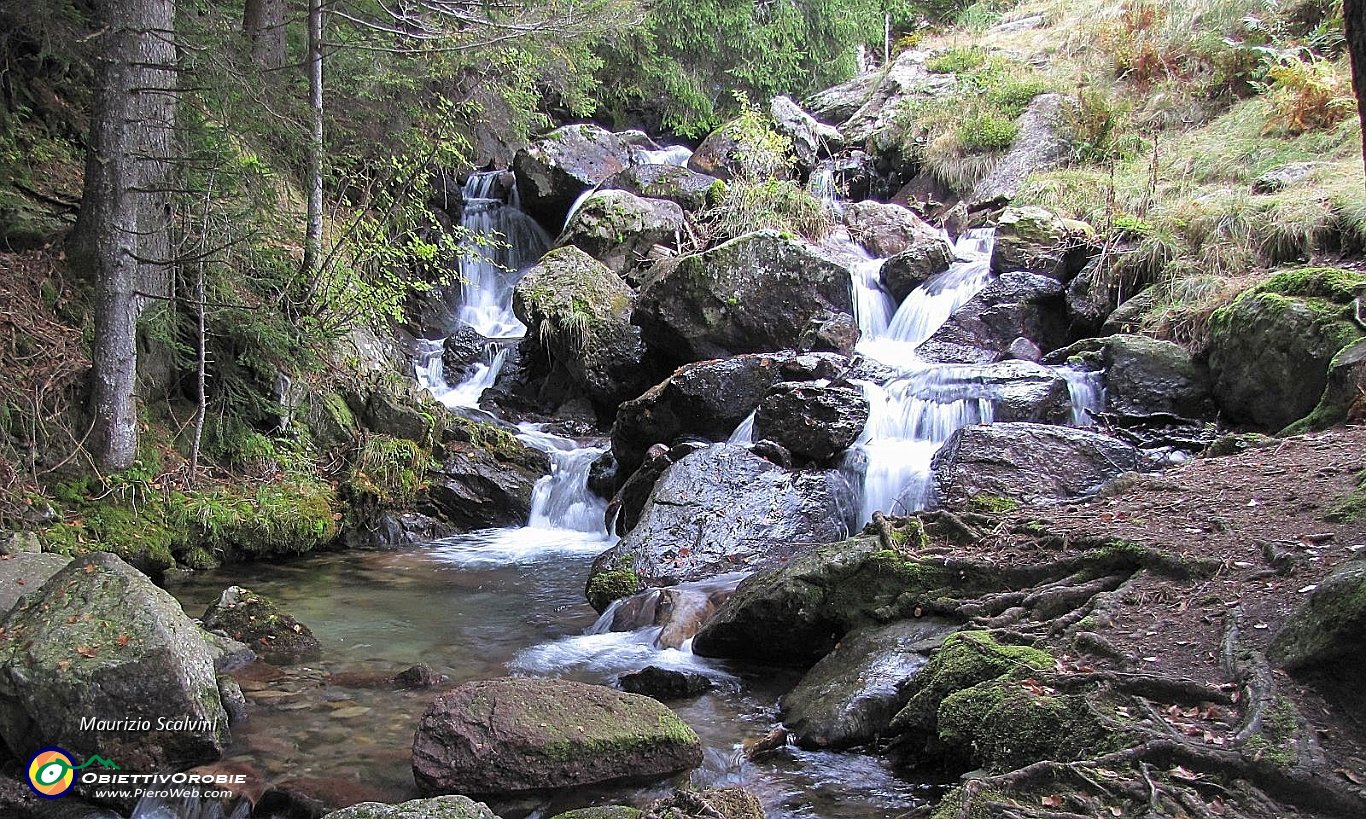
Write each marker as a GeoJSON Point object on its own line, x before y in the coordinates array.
{"type": "Point", "coordinates": [485, 605]}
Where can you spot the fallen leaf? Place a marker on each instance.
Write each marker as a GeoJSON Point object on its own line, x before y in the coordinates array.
{"type": "Point", "coordinates": [1053, 801]}
{"type": "Point", "coordinates": [122, 641]}
{"type": "Point", "coordinates": [1351, 776]}
{"type": "Point", "coordinates": [87, 651]}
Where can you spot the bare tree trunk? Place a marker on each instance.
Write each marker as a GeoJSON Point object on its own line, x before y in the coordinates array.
{"type": "Point", "coordinates": [313, 238]}
{"type": "Point", "coordinates": [263, 22]}
{"type": "Point", "coordinates": [122, 239]}
{"type": "Point", "coordinates": [1354, 23]}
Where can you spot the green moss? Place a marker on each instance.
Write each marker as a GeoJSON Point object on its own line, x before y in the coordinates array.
{"type": "Point", "coordinates": [1351, 507]}
{"type": "Point", "coordinates": [992, 504]}
{"type": "Point", "coordinates": [1274, 741]}
{"type": "Point", "coordinates": [617, 582]}
{"type": "Point", "coordinates": [1328, 283]}
{"type": "Point", "coordinates": [956, 61]}
{"type": "Point", "coordinates": [909, 535]}
{"type": "Point", "coordinates": [390, 470]}
{"type": "Point", "coordinates": [986, 132]}
{"type": "Point", "coordinates": [965, 659]}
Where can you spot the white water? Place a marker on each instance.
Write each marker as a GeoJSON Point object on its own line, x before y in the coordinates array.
{"type": "Point", "coordinates": [503, 241]}
{"type": "Point", "coordinates": [744, 433]}
{"type": "Point", "coordinates": [188, 807]}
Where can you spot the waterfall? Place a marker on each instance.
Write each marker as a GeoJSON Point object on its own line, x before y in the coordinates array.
{"type": "Point", "coordinates": [1087, 391]}
{"type": "Point", "coordinates": [430, 369]}
{"type": "Point", "coordinates": [502, 241]}
{"type": "Point", "coordinates": [744, 432]}
{"type": "Point", "coordinates": [189, 807]}
{"type": "Point", "coordinates": [562, 500]}
{"type": "Point", "coordinates": [672, 155]}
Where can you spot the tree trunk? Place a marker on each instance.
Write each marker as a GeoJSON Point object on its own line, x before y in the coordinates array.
{"type": "Point", "coordinates": [313, 237]}
{"type": "Point", "coordinates": [263, 22]}
{"type": "Point", "coordinates": [1354, 23]}
{"type": "Point", "coordinates": [122, 238]}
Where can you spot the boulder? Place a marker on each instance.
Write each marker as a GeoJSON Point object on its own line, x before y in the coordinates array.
{"type": "Point", "coordinates": [577, 312]}
{"type": "Point", "coordinates": [1344, 397]}
{"type": "Point", "coordinates": [1284, 176]}
{"type": "Point", "coordinates": [1044, 142]}
{"type": "Point", "coordinates": [829, 333]}
{"type": "Point", "coordinates": [809, 137]}
{"type": "Point", "coordinates": [720, 510]}
{"type": "Point", "coordinates": [100, 642]}
{"type": "Point", "coordinates": [1144, 375]}
{"type": "Point", "coordinates": [886, 230]}
{"type": "Point", "coordinates": [877, 98]}
{"type": "Point", "coordinates": [1091, 297]}
{"type": "Point", "coordinates": [752, 294]}
{"type": "Point", "coordinates": [554, 170]}
{"type": "Point", "coordinates": [484, 476]}
{"type": "Point", "coordinates": [728, 153]}
{"type": "Point", "coordinates": [1269, 351]}
{"type": "Point", "coordinates": [514, 735]}
{"type": "Point", "coordinates": [665, 683]}
{"type": "Point", "coordinates": [24, 573]}
{"type": "Point", "coordinates": [1029, 463]}
{"type": "Point", "coordinates": [812, 420]}
{"type": "Point", "coordinates": [1016, 305]}
{"type": "Point", "coordinates": [601, 812]}
{"type": "Point", "coordinates": [440, 807]}
{"type": "Point", "coordinates": [686, 187]}
{"type": "Point", "coordinates": [1033, 240]}
{"type": "Point", "coordinates": [912, 267]}
{"type": "Point", "coordinates": [1018, 390]}
{"type": "Point", "coordinates": [709, 399]}
{"type": "Point", "coordinates": [712, 803]}
{"type": "Point", "coordinates": [849, 697]}
{"type": "Point", "coordinates": [249, 618]}
{"type": "Point", "coordinates": [619, 229]}
{"type": "Point", "coordinates": [1330, 627]}
{"type": "Point", "coordinates": [1129, 316]}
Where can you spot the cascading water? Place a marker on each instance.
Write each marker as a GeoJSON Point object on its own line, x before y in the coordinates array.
{"type": "Point", "coordinates": [189, 807]}
{"type": "Point", "coordinates": [501, 241]}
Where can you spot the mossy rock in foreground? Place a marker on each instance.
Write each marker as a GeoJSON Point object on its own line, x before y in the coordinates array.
{"type": "Point", "coordinates": [249, 618]}
{"type": "Point", "coordinates": [1328, 628]}
{"type": "Point", "coordinates": [513, 735]}
{"type": "Point", "coordinates": [441, 807]}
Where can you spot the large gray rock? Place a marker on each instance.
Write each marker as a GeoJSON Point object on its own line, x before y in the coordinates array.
{"type": "Point", "coordinates": [1144, 375]}
{"type": "Point", "coordinates": [751, 294]}
{"type": "Point", "coordinates": [1033, 240]}
{"type": "Point", "coordinates": [440, 807]}
{"type": "Point", "coordinates": [24, 573]}
{"type": "Point", "coordinates": [259, 622]}
{"type": "Point", "coordinates": [724, 509]}
{"type": "Point", "coordinates": [686, 187]}
{"type": "Point", "coordinates": [484, 476]}
{"type": "Point", "coordinates": [1269, 350]}
{"type": "Point", "coordinates": [709, 399]}
{"type": "Point", "coordinates": [1016, 305]}
{"type": "Point", "coordinates": [809, 137]}
{"type": "Point", "coordinates": [1030, 463]}
{"type": "Point", "coordinates": [1344, 398]}
{"type": "Point", "coordinates": [514, 735]}
{"type": "Point", "coordinates": [886, 230]}
{"type": "Point", "coordinates": [928, 256]}
{"type": "Point", "coordinates": [1330, 627]}
{"type": "Point", "coordinates": [812, 420]}
{"type": "Point", "coordinates": [1044, 142]}
{"type": "Point", "coordinates": [578, 312]}
{"type": "Point", "coordinates": [1092, 296]}
{"type": "Point", "coordinates": [849, 697]}
{"type": "Point", "coordinates": [100, 642]}
{"type": "Point", "coordinates": [619, 229]}
{"type": "Point", "coordinates": [871, 104]}
{"type": "Point", "coordinates": [554, 170]}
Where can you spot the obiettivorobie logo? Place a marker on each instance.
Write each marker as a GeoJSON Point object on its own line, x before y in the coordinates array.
{"type": "Point", "coordinates": [51, 773]}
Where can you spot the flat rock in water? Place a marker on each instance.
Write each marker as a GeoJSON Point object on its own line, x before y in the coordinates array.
{"type": "Point", "coordinates": [665, 683]}
{"type": "Point", "coordinates": [512, 735]}
{"type": "Point", "coordinates": [246, 616]}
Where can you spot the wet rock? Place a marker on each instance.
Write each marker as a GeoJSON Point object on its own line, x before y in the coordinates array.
{"type": "Point", "coordinates": [234, 701]}
{"type": "Point", "coordinates": [829, 333]}
{"type": "Point", "coordinates": [1016, 305]}
{"type": "Point", "coordinates": [1022, 349]}
{"type": "Point", "coordinates": [1330, 627]}
{"type": "Point", "coordinates": [1129, 316]}
{"type": "Point", "coordinates": [553, 171]}
{"type": "Point", "coordinates": [1033, 240]}
{"type": "Point", "coordinates": [722, 510]}
{"type": "Point", "coordinates": [1144, 376]}
{"type": "Point", "coordinates": [100, 641]}
{"type": "Point", "coordinates": [1029, 463]}
{"type": "Point", "coordinates": [1092, 297]}
{"type": "Point", "coordinates": [394, 529]}
{"type": "Point", "coordinates": [16, 798]}
{"type": "Point", "coordinates": [726, 155]}
{"type": "Point", "coordinates": [23, 573]}
{"type": "Point", "coordinates": [419, 676]}
{"type": "Point", "coordinates": [1044, 142]}
{"type": "Point", "coordinates": [709, 399]}
{"type": "Point", "coordinates": [441, 807]}
{"type": "Point", "coordinates": [810, 420]}
{"type": "Point", "coordinates": [619, 228]}
{"type": "Point", "coordinates": [686, 187]}
{"type": "Point", "coordinates": [809, 137]}
{"type": "Point", "coordinates": [578, 311]}
{"type": "Point", "coordinates": [228, 654]}
{"type": "Point", "coordinates": [849, 697]}
{"type": "Point", "coordinates": [665, 684]}
{"type": "Point", "coordinates": [773, 452]}
{"type": "Point", "coordinates": [1270, 350]}
{"type": "Point", "coordinates": [755, 293]}
{"type": "Point", "coordinates": [712, 803]}
{"type": "Point", "coordinates": [604, 475]}
{"type": "Point", "coordinates": [509, 736]}
{"type": "Point", "coordinates": [257, 621]}
{"type": "Point", "coordinates": [601, 812]}
{"type": "Point", "coordinates": [485, 477]}
{"type": "Point", "coordinates": [886, 230]}
{"type": "Point", "coordinates": [915, 265]}
{"type": "Point", "coordinates": [1019, 390]}
{"type": "Point", "coordinates": [318, 795]}
{"type": "Point", "coordinates": [630, 500]}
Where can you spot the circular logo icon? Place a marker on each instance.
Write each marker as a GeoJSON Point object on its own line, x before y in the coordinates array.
{"type": "Point", "coordinates": [51, 773]}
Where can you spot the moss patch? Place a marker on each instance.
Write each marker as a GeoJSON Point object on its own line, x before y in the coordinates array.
{"type": "Point", "coordinates": [617, 582]}
{"type": "Point", "coordinates": [965, 659]}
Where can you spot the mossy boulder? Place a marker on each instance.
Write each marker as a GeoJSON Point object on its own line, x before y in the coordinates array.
{"type": "Point", "coordinates": [620, 229]}
{"type": "Point", "coordinates": [1270, 350]}
{"type": "Point", "coordinates": [513, 735]}
{"type": "Point", "coordinates": [728, 152]}
{"type": "Point", "coordinates": [1329, 627]}
{"type": "Point", "coordinates": [440, 807]}
{"type": "Point", "coordinates": [1145, 375]}
{"type": "Point", "coordinates": [796, 614]}
{"type": "Point", "coordinates": [1012, 721]}
{"type": "Point", "coordinates": [554, 170]}
{"type": "Point", "coordinates": [1344, 396]}
{"type": "Point", "coordinates": [23, 574]}
{"type": "Point", "coordinates": [578, 313]}
{"type": "Point", "coordinates": [260, 623]}
{"type": "Point", "coordinates": [964, 660]}
{"type": "Point", "coordinates": [1032, 240]}
{"type": "Point", "coordinates": [916, 264]}
{"type": "Point", "coordinates": [484, 476]}
{"type": "Point", "coordinates": [849, 697]}
{"type": "Point", "coordinates": [755, 293]}
{"type": "Point", "coordinates": [100, 642]}
{"type": "Point", "coordinates": [686, 187]}
{"type": "Point", "coordinates": [712, 803]}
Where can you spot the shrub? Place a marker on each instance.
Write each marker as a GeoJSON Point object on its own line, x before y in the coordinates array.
{"type": "Point", "coordinates": [781, 205]}
{"type": "Point", "coordinates": [1307, 93]}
